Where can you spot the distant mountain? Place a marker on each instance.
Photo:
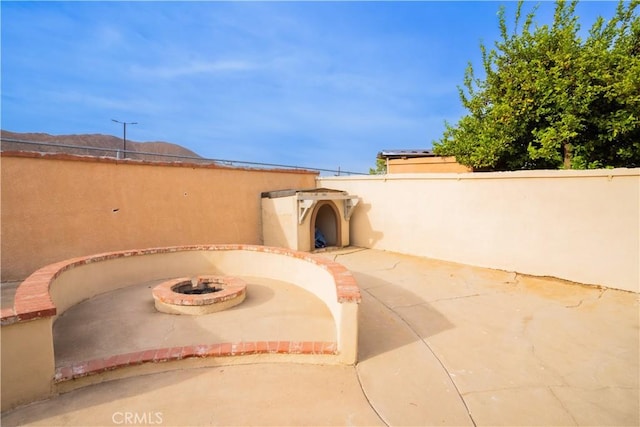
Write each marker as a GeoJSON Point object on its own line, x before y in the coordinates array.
{"type": "Point", "coordinates": [96, 145]}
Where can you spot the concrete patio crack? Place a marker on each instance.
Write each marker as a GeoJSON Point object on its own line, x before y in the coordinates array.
{"type": "Point", "coordinates": [393, 267]}
{"type": "Point", "coordinates": [335, 257]}
{"type": "Point", "coordinates": [579, 303]}
{"type": "Point", "coordinates": [563, 406]}
{"type": "Point", "coordinates": [458, 297]}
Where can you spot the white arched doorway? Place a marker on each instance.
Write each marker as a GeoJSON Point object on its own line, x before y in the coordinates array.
{"type": "Point", "coordinates": [326, 218]}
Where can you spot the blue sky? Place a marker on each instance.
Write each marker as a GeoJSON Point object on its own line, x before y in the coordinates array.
{"type": "Point", "coordinates": [315, 84]}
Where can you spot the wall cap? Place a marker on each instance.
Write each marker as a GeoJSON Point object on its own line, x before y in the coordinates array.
{"type": "Point", "coordinates": [528, 174]}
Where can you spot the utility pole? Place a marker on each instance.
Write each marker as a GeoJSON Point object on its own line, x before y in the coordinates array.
{"type": "Point", "coordinates": [124, 135]}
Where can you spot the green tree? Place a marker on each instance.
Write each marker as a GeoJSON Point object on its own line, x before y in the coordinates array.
{"type": "Point", "coordinates": [550, 99]}
{"type": "Point", "coordinates": [381, 167]}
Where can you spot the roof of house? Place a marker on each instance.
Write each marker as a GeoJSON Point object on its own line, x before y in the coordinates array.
{"type": "Point", "coordinates": [403, 154]}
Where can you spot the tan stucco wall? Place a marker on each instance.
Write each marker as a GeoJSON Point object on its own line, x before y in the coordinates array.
{"type": "Point", "coordinates": [59, 207]}
{"type": "Point", "coordinates": [280, 222]}
{"type": "Point", "coordinates": [425, 164]}
{"type": "Point", "coordinates": [27, 362]}
{"type": "Point", "coordinates": [582, 226]}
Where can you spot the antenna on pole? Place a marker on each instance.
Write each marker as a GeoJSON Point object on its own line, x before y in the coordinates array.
{"type": "Point", "coordinates": [124, 135]}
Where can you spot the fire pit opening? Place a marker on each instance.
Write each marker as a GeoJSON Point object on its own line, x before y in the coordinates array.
{"type": "Point", "coordinates": [199, 295]}
{"type": "Point", "coordinates": [198, 287]}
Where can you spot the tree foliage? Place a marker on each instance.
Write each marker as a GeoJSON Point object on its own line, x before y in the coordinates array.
{"type": "Point", "coordinates": [550, 99]}
{"type": "Point", "coordinates": [381, 167]}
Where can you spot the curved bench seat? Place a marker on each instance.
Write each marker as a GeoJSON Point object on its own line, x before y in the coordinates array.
{"type": "Point", "coordinates": [28, 365]}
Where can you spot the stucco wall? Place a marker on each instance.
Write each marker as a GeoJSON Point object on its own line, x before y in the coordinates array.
{"type": "Point", "coordinates": [577, 225]}
{"type": "Point", "coordinates": [280, 222]}
{"type": "Point", "coordinates": [425, 164]}
{"type": "Point", "coordinates": [582, 226]}
{"type": "Point", "coordinates": [27, 362]}
{"type": "Point", "coordinates": [59, 206]}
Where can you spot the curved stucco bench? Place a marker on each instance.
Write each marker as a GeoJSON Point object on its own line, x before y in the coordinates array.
{"type": "Point", "coordinates": [28, 366]}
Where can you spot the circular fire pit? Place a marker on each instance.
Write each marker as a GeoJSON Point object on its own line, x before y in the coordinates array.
{"type": "Point", "coordinates": [199, 295]}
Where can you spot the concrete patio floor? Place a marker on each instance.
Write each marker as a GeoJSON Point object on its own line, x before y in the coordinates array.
{"type": "Point", "coordinates": [440, 344]}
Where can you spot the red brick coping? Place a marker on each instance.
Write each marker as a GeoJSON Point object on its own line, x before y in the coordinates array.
{"type": "Point", "coordinates": [201, 163]}
{"type": "Point", "coordinates": [169, 354]}
{"type": "Point", "coordinates": [33, 301]}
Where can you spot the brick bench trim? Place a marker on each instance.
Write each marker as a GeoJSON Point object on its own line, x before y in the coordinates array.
{"type": "Point", "coordinates": [170, 354]}
{"type": "Point", "coordinates": [33, 301]}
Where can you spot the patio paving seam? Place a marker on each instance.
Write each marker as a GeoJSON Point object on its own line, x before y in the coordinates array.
{"type": "Point", "coordinates": [464, 402]}
{"type": "Point", "coordinates": [419, 338]}
{"type": "Point", "coordinates": [366, 396]}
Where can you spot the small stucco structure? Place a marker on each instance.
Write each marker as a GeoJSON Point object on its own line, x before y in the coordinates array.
{"type": "Point", "coordinates": [290, 217]}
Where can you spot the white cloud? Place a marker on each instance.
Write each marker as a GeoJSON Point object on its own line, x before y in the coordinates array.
{"type": "Point", "coordinates": [192, 68]}
{"type": "Point", "coordinates": [107, 37]}
{"type": "Point", "coordinates": [112, 103]}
